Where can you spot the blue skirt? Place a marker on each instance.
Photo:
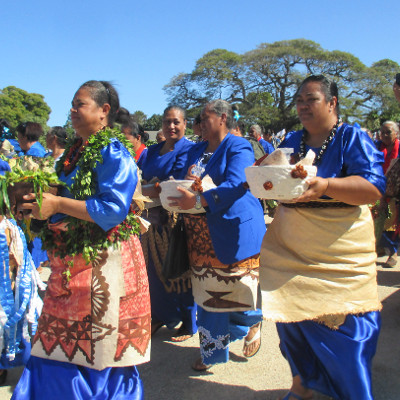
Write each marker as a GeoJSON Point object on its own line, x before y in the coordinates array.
{"type": "Point", "coordinates": [48, 379]}
{"type": "Point", "coordinates": [218, 329]}
{"type": "Point", "coordinates": [334, 362]}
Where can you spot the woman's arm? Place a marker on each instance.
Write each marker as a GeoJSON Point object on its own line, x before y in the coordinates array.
{"type": "Point", "coordinates": [229, 176]}
{"type": "Point", "coordinates": [353, 190]}
{"type": "Point", "coordinates": [108, 207]}
{"type": "Point", "coordinates": [54, 204]}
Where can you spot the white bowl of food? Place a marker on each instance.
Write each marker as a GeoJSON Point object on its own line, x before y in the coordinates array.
{"type": "Point", "coordinates": [276, 179]}
{"type": "Point", "coordinates": [169, 189]}
{"type": "Point", "coordinates": [279, 182]}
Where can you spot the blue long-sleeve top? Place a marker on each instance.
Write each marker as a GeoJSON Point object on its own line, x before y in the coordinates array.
{"type": "Point", "coordinates": [116, 180]}
{"type": "Point", "coordinates": [234, 216]}
{"type": "Point", "coordinates": [351, 152]}
{"type": "Point", "coordinates": [168, 164]}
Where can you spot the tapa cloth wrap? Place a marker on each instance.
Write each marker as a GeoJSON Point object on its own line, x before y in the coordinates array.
{"type": "Point", "coordinates": [101, 317]}
{"type": "Point", "coordinates": [318, 262]}
{"type": "Point", "coordinates": [218, 287]}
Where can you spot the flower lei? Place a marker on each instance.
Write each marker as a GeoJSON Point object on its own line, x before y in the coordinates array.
{"type": "Point", "coordinates": [84, 237]}
{"type": "Point", "coordinates": [73, 155]}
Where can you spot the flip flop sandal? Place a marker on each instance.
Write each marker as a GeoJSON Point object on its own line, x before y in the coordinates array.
{"type": "Point", "coordinates": [247, 343]}
{"type": "Point", "coordinates": [181, 335]}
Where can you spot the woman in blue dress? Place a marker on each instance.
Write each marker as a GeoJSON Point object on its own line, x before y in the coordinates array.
{"type": "Point", "coordinates": [95, 323]}
{"type": "Point", "coordinates": [318, 272]}
{"type": "Point", "coordinates": [224, 242]}
{"type": "Point", "coordinates": [171, 300]}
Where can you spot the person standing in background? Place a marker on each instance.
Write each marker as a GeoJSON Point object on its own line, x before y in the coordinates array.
{"type": "Point", "coordinates": [255, 132]}
{"type": "Point", "coordinates": [56, 140]}
{"type": "Point", "coordinates": [28, 136]}
{"type": "Point", "coordinates": [171, 299]}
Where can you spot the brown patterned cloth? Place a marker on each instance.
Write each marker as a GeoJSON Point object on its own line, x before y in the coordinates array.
{"type": "Point", "coordinates": [100, 317]}
{"type": "Point", "coordinates": [218, 287]}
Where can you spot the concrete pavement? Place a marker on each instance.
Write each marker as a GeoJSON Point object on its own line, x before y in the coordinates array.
{"type": "Point", "coordinates": [265, 376]}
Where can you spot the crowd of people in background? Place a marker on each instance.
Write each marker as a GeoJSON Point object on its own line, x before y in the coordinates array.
{"type": "Point", "coordinates": [108, 236]}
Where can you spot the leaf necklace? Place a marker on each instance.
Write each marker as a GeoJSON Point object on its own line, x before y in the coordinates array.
{"type": "Point", "coordinates": [84, 237]}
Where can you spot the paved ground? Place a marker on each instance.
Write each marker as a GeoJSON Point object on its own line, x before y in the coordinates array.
{"type": "Point", "coordinates": [266, 376]}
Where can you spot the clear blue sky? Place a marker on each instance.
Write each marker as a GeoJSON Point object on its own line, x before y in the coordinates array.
{"type": "Point", "coordinates": [51, 47]}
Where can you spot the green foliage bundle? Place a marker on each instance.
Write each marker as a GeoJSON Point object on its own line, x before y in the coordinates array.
{"type": "Point", "coordinates": [39, 172]}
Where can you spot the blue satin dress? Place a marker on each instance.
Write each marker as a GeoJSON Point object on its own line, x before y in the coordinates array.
{"type": "Point", "coordinates": [168, 307]}
{"type": "Point", "coordinates": [49, 379]}
{"type": "Point", "coordinates": [337, 362]}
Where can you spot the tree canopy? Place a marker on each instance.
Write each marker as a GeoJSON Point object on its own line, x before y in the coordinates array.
{"type": "Point", "coordinates": [154, 123]}
{"type": "Point", "coordinates": [263, 82]}
{"type": "Point", "coordinates": [17, 105]}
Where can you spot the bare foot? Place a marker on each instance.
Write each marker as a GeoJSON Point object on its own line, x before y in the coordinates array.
{"type": "Point", "coordinates": [199, 366]}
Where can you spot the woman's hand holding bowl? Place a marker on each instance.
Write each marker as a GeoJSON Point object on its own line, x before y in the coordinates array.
{"type": "Point", "coordinates": [317, 188]}
{"type": "Point", "coordinates": [184, 202]}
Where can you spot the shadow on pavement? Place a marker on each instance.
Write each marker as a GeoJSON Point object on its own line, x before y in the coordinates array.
{"type": "Point", "coordinates": [389, 277]}
{"type": "Point", "coordinates": [385, 369]}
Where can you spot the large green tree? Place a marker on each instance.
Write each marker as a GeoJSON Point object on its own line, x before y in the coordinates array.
{"type": "Point", "coordinates": [264, 81]}
{"type": "Point", "coordinates": [382, 105]}
{"type": "Point", "coordinates": [17, 105]}
{"type": "Point", "coordinates": [279, 68]}
{"type": "Point", "coordinates": [218, 74]}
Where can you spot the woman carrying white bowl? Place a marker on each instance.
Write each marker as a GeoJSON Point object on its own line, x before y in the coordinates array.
{"type": "Point", "coordinates": [224, 242]}
{"type": "Point", "coordinates": [172, 301]}
{"type": "Point", "coordinates": [318, 272]}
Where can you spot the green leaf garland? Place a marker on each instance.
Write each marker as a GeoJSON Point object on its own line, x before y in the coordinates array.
{"type": "Point", "coordinates": [84, 237]}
